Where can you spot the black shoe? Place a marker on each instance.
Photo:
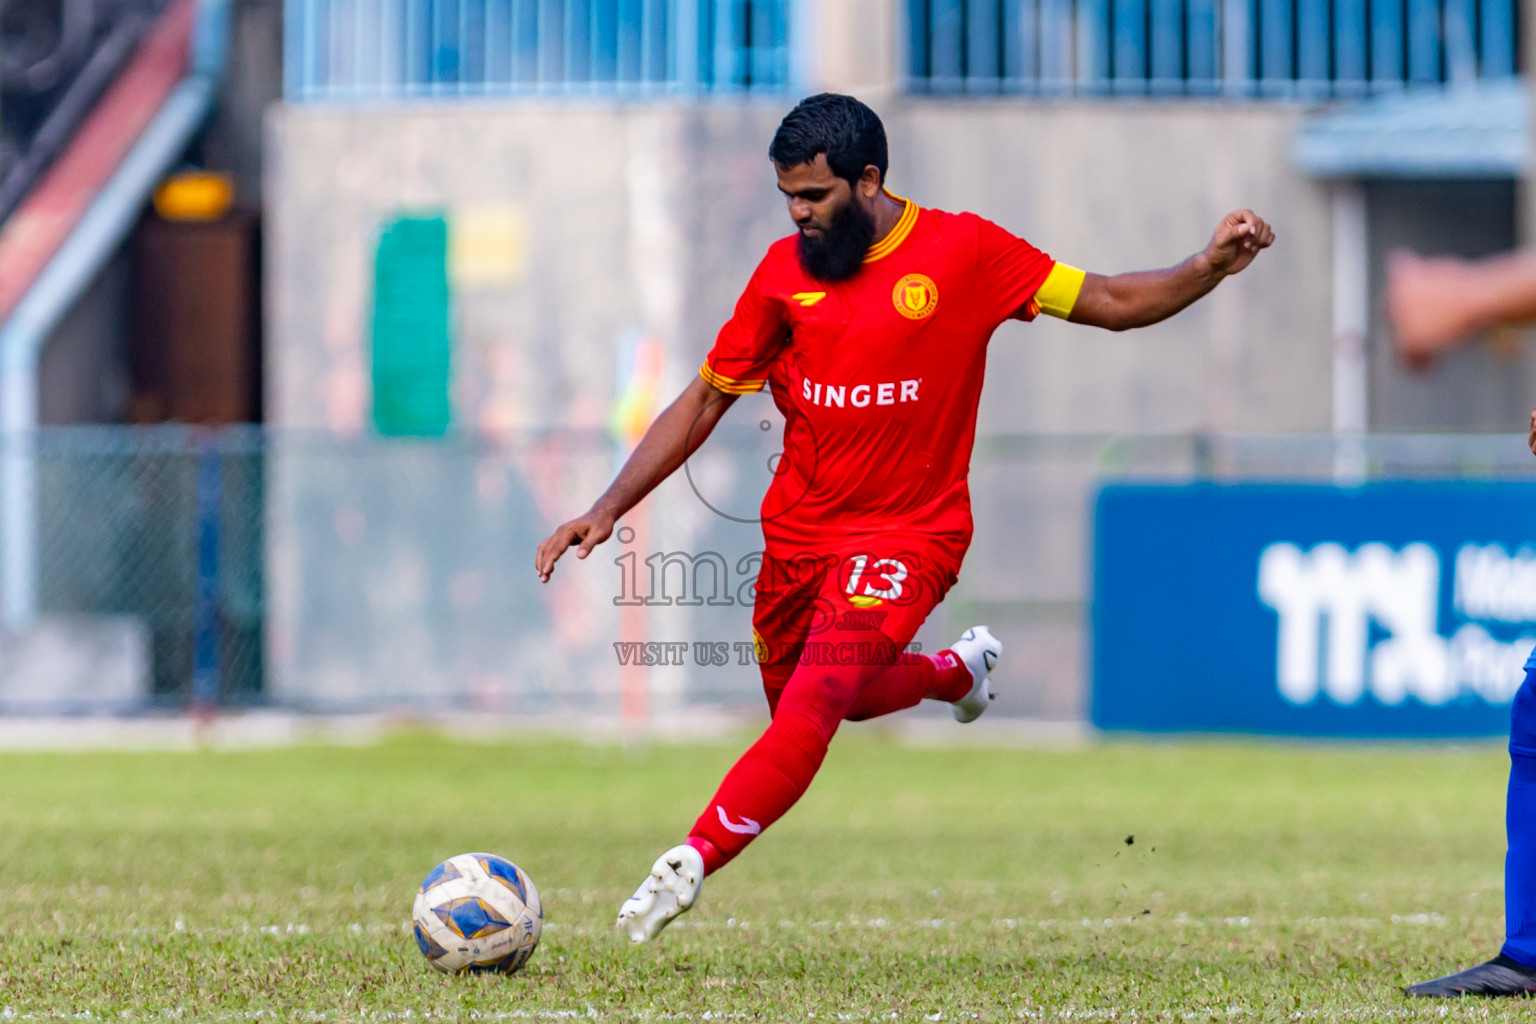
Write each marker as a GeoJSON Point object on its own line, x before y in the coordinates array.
{"type": "Point", "coordinates": [1500, 976]}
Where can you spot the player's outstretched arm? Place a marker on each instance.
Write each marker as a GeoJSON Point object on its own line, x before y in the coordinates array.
{"type": "Point", "coordinates": [675, 435]}
{"type": "Point", "coordinates": [1124, 301]}
{"type": "Point", "coordinates": [1436, 304]}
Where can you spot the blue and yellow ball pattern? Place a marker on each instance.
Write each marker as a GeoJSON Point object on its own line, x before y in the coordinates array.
{"type": "Point", "coordinates": [477, 913]}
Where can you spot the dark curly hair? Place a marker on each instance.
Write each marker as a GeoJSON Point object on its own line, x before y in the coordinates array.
{"type": "Point", "coordinates": [847, 131]}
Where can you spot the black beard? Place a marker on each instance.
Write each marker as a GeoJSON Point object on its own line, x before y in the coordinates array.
{"type": "Point", "coordinates": [839, 253]}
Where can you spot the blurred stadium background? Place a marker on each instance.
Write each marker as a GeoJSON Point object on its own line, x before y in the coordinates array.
{"type": "Point", "coordinates": [316, 315]}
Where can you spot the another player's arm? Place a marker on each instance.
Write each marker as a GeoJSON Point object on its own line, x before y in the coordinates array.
{"type": "Point", "coordinates": [1436, 304]}
{"type": "Point", "coordinates": [1124, 301]}
{"type": "Point", "coordinates": [675, 435]}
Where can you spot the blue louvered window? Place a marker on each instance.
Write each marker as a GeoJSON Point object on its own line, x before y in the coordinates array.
{"type": "Point", "coordinates": [348, 50]}
{"type": "Point", "coordinates": [1236, 48]}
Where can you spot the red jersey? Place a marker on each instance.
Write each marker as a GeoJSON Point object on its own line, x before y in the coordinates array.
{"type": "Point", "coordinates": [878, 376]}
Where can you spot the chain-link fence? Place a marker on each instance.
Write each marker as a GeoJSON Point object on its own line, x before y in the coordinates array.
{"type": "Point", "coordinates": [315, 573]}
{"type": "Point", "coordinates": [162, 529]}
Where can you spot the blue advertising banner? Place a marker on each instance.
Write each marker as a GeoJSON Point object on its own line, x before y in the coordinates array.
{"type": "Point", "coordinates": [1385, 610]}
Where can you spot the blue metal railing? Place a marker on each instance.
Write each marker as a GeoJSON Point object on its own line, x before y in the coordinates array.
{"type": "Point", "coordinates": [348, 50]}
{"type": "Point", "coordinates": [1238, 48]}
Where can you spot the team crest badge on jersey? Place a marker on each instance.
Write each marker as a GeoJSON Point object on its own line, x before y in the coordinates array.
{"type": "Point", "coordinates": [916, 296]}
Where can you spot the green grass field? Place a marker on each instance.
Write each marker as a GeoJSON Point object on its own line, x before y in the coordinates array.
{"type": "Point", "coordinates": [1265, 882]}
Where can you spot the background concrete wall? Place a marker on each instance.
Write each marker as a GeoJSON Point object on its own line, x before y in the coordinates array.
{"type": "Point", "coordinates": [617, 218]}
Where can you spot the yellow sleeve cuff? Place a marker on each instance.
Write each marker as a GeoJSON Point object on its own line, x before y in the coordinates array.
{"type": "Point", "coordinates": [1058, 294]}
{"type": "Point", "coordinates": [730, 385]}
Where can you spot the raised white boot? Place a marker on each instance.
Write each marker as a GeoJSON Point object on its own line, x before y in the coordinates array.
{"type": "Point", "coordinates": [979, 650]}
{"type": "Point", "coordinates": [671, 888]}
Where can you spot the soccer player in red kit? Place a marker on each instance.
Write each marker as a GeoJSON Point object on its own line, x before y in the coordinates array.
{"type": "Point", "coordinates": [870, 327]}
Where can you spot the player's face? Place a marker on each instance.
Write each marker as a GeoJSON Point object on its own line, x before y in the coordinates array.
{"type": "Point", "coordinates": [815, 195]}
{"type": "Point", "coordinates": [836, 227]}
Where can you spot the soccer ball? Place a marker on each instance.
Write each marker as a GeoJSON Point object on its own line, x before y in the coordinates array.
{"type": "Point", "coordinates": [477, 913]}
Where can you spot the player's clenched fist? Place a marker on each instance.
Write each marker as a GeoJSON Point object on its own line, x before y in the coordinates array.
{"type": "Point", "coordinates": [1424, 308]}
{"type": "Point", "coordinates": [584, 533]}
{"type": "Point", "coordinates": [1437, 303]}
{"type": "Point", "coordinates": [1237, 240]}
{"type": "Point", "coordinates": [1531, 440]}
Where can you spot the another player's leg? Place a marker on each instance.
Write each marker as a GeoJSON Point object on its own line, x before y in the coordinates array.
{"type": "Point", "coordinates": [1513, 971]}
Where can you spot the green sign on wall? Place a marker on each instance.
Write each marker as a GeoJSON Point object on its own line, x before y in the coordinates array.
{"type": "Point", "coordinates": [411, 342]}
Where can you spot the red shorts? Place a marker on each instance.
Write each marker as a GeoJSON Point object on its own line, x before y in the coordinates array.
{"type": "Point", "coordinates": [854, 604]}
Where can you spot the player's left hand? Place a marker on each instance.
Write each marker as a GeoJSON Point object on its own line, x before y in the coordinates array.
{"type": "Point", "coordinates": [1237, 240]}
{"type": "Point", "coordinates": [1532, 439]}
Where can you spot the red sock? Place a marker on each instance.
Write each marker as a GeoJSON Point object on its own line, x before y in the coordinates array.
{"type": "Point", "coordinates": [714, 860]}
{"type": "Point", "coordinates": [767, 780]}
{"type": "Point", "coordinates": [952, 679]}
{"type": "Point", "coordinates": [915, 678]}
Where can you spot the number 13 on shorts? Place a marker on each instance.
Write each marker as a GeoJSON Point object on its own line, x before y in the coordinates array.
{"type": "Point", "coordinates": [880, 578]}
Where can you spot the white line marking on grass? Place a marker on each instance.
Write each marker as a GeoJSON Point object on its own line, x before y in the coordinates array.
{"type": "Point", "coordinates": [1031, 1013]}
{"type": "Point", "coordinates": [1153, 921]}
{"type": "Point", "coordinates": [181, 930]}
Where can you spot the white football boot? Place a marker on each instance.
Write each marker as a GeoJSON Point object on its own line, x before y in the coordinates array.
{"type": "Point", "coordinates": [671, 888]}
{"type": "Point", "coordinates": [979, 650]}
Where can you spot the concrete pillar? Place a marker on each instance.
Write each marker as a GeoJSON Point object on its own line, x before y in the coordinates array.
{"type": "Point", "coordinates": [849, 46]}
{"type": "Point", "coordinates": [1525, 191]}
{"type": "Point", "coordinates": [1351, 322]}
